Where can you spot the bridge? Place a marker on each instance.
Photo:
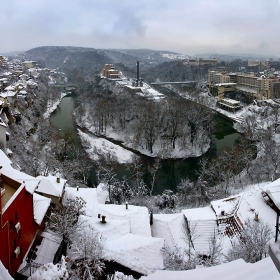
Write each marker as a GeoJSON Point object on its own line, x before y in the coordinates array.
{"type": "Point", "coordinates": [66, 86]}
{"type": "Point", "coordinates": [178, 83]}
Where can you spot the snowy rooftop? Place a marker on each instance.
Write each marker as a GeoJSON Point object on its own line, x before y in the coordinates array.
{"type": "Point", "coordinates": [108, 231]}
{"type": "Point", "coordinates": [40, 207]}
{"type": "Point", "coordinates": [7, 94]}
{"type": "Point", "coordinates": [273, 190]}
{"type": "Point", "coordinates": [234, 270]}
{"type": "Point", "coordinates": [203, 213]}
{"type": "Point", "coordinates": [10, 172]}
{"type": "Point", "coordinates": [89, 195]}
{"type": "Point", "coordinates": [138, 216]}
{"type": "Point", "coordinates": [231, 101]}
{"type": "Point", "coordinates": [171, 227]}
{"type": "Point", "coordinates": [253, 202]}
{"type": "Point", "coordinates": [228, 205]}
{"type": "Point", "coordinates": [225, 84]}
{"type": "Point", "coordinates": [31, 184]}
{"type": "Point", "coordinates": [47, 248]}
{"type": "Point", "coordinates": [49, 185]}
{"type": "Point", "coordinates": [9, 88]}
{"type": "Point", "coordinates": [1, 122]}
{"type": "Point", "coordinates": [139, 253]}
{"type": "Point", "coordinates": [203, 226]}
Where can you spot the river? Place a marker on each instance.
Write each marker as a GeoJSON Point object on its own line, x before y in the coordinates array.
{"type": "Point", "coordinates": [172, 171]}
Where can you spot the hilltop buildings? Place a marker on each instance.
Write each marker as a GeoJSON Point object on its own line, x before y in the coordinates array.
{"type": "Point", "coordinates": [111, 72]}
{"type": "Point", "coordinates": [261, 87]}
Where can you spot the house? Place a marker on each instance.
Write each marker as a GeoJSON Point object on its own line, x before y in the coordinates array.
{"type": "Point", "coordinates": [8, 96]}
{"type": "Point", "coordinates": [271, 195]}
{"type": "Point", "coordinates": [136, 215]}
{"type": "Point", "coordinates": [125, 230]}
{"type": "Point", "coordinates": [171, 227]}
{"type": "Point", "coordinates": [110, 72]}
{"type": "Point", "coordinates": [52, 187]}
{"type": "Point", "coordinates": [142, 254]}
{"type": "Point", "coordinates": [21, 215]}
{"type": "Point", "coordinates": [202, 226]}
{"type": "Point", "coordinates": [29, 64]}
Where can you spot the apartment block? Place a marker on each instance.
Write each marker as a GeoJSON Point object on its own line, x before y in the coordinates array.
{"type": "Point", "coordinates": [261, 88]}
{"type": "Point", "coordinates": [110, 72]}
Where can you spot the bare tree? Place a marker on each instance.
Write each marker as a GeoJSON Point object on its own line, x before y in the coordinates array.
{"type": "Point", "coordinates": [86, 252]}
{"type": "Point", "coordinates": [215, 251]}
{"type": "Point", "coordinates": [106, 173]}
{"type": "Point", "coordinates": [153, 168]}
{"type": "Point", "coordinates": [252, 245]}
{"type": "Point", "coordinates": [65, 222]}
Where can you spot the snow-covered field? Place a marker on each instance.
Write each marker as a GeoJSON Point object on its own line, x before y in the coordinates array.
{"type": "Point", "coordinates": [96, 147]}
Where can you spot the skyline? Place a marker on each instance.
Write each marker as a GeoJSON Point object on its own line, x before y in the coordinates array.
{"type": "Point", "coordinates": [185, 26]}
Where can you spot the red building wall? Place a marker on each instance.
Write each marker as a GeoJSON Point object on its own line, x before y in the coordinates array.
{"type": "Point", "coordinates": [21, 210]}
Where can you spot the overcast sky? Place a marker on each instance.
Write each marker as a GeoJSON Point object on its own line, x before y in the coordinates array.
{"type": "Point", "coordinates": [184, 26]}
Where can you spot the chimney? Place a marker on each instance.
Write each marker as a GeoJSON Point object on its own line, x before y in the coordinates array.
{"type": "Point", "coordinates": [126, 205]}
{"type": "Point", "coordinates": [103, 221]}
{"type": "Point", "coordinates": [256, 216]}
{"type": "Point", "coordinates": [58, 180]}
{"type": "Point", "coordinates": [137, 82]}
{"type": "Point", "coordinates": [99, 216]}
{"type": "Point", "coordinates": [77, 188]}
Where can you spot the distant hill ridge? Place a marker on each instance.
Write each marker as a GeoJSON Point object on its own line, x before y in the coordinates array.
{"type": "Point", "coordinates": [88, 60]}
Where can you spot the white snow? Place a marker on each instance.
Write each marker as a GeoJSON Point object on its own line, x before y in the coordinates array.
{"type": "Point", "coordinates": [139, 253]}
{"type": "Point", "coordinates": [9, 171]}
{"type": "Point", "coordinates": [273, 190]}
{"type": "Point", "coordinates": [49, 185]}
{"type": "Point", "coordinates": [203, 213]}
{"type": "Point", "coordinates": [108, 231]}
{"type": "Point", "coordinates": [53, 106]}
{"type": "Point", "coordinates": [50, 271]}
{"type": "Point", "coordinates": [31, 185]}
{"type": "Point", "coordinates": [171, 227]}
{"type": "Point", "coordinates": [228, 205]}
{"type": "Point", "coordinates": [40, 207]}
{"type": "Point", "coordinates": [4, 274]}
{"type": "Point", "coordinates": [138, 216]}
{"type": "Point", "coordinates": [253, 202]}
{"type": "Point", "coordinates": [203, 226]}
{"type": "Point", "coordinates": [99, 146]}
{"type": "Point", "coordinates": [89, 195]}
{"type": "Point", "coordinates": [274, 248]}
{"type": "Point", "coordinates": [47, 249]}
{"type": "Point", "coordinates": [235, 270]}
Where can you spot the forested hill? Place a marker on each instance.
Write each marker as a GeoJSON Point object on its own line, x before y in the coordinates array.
{"type": "Point", "coordinates": [90, 60]}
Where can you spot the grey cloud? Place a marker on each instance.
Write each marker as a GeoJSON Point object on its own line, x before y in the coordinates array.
{"type": "Point", "coordinates": [187, 26]}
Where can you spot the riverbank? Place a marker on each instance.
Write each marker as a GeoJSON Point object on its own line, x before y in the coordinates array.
{"type": "Point", "coordinates": [98, 148]}
{"type": "Point", "coordinates": [52, 106]}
